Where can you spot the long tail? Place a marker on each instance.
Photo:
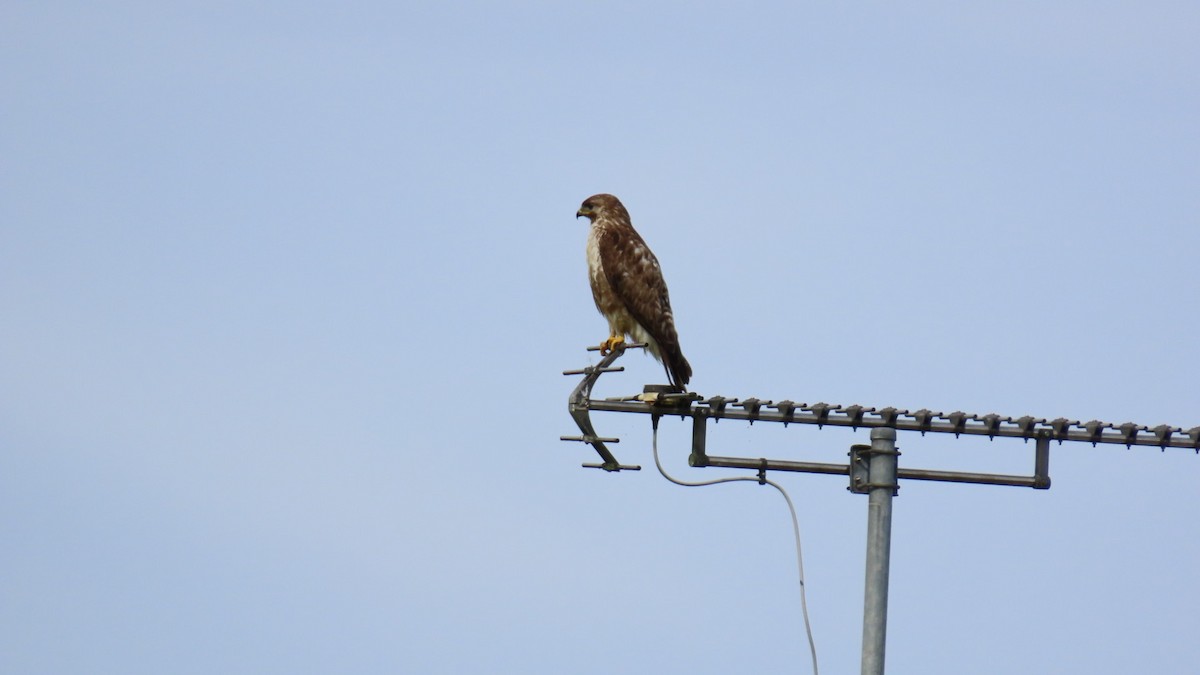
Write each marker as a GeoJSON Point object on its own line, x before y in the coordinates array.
{"type": "Point", "coordinates": [679, 371]}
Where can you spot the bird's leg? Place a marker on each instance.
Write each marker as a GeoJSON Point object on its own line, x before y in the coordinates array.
{"type": "Point", "coordinates": [611, 344]}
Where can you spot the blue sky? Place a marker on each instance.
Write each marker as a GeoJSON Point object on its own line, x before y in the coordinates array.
{"type": "Point", "coordinates": [287, 292]}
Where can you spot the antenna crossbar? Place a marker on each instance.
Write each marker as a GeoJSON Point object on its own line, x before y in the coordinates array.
{"type": "Point", "coordinates": [924, 421]}
{"type": "Point", "coordinates": [659, 400]}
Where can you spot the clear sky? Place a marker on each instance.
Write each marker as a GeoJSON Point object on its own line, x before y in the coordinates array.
{"type": "Point", "coordinates": [287, 289]}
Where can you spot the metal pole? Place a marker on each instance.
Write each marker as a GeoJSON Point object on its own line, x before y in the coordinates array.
{"type": "Point", "coordinates": [882, 482]}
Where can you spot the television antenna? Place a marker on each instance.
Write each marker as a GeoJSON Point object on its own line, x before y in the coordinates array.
{"type": "Point", "coordinates": [873, 469]}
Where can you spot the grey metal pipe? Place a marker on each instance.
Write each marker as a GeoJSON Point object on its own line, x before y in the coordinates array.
{"type": "Point", "coordinates": [925, 421]}
{"type": "Point", "coordinates": [882, 477]}
{"type": "Point", "coordinates": [842, 469]}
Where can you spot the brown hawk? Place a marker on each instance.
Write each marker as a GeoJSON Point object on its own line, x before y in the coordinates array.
{"type": "Point", "coordinates": [628, 286]}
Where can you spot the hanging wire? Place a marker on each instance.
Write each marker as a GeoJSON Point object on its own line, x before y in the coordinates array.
{"type": "Point", "coordinates": [812, 646]}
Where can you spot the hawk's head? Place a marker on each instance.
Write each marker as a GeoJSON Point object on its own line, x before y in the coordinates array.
{"type": "Point", "coordinates": [597, 206]}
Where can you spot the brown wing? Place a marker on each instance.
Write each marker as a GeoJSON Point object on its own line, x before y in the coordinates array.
{"type": "Point", "coordinates": [636, 279]}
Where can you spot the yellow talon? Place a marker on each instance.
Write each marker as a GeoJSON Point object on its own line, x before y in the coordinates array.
{"type": "Point", "coordinates": [610, 344]}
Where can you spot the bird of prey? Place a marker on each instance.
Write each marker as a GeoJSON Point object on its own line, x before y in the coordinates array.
{"type": "Point", "coordinates": [628, 287]}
